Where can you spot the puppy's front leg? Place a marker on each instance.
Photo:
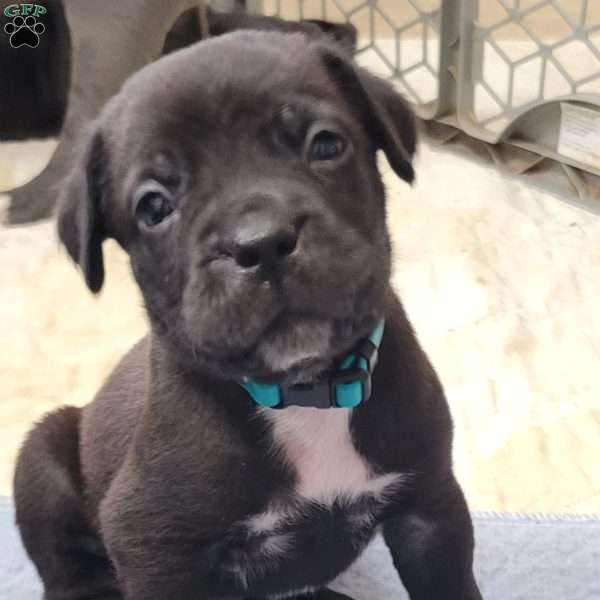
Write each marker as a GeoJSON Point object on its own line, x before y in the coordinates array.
{"type": "Point", "coordinates": [432, 546]}
{"type": "Point", "coordinates": [156, 556]}
{"type": "Point", "coordinates": [165, 574]}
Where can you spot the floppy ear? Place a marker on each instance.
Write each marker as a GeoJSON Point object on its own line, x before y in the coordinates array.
{"type": "Point", "coordinates": [384, 112]}
{"type": "Point", "coordinates": [80, 222]}
{"type": "Point", "coordinates": [345, 35]}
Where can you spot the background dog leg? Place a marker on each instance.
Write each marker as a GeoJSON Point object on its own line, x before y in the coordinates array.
{"type": "Point", "coordinates": [109, 40]}
{"type": "Point", "coordinates": [432, 546]}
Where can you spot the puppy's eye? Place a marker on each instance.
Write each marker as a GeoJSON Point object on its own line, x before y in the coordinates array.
{"type": "Point", "coordinates": [153, 204]}
{"type": "Point", "coordinates": [326, 145]}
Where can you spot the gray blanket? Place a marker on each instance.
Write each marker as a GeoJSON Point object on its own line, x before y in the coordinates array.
{"type": "Point", "coordinates": [529, 557]}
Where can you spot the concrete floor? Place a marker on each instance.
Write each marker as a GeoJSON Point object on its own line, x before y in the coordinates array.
{"type": "Point", "coordinates": [500, 280]}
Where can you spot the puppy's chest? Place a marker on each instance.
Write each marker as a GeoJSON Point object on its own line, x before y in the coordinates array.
{"type": "Point", "coordinates": [317, 446]}
{"type": "Point", "coordinates": [332, 510]}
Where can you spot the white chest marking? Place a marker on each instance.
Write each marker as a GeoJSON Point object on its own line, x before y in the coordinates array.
{"type": "Point", "coordinates": [318, 445]}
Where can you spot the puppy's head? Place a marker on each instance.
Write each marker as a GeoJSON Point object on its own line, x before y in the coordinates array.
{"type": "Point", "coordinates": [240, 175]}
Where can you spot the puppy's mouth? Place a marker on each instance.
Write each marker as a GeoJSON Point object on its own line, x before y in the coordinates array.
{"type": "Point", "coordinates": [291, 347]}
{"type": "Point", "coordinates": [294, 348]}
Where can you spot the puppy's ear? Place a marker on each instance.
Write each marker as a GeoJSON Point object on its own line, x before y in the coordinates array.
{"type": "Point", "coordinates": [80, 221]}
{"type": "Point", "coordinates": [345, 35]}
{"type": "Point", "coordinates": [384, 112]}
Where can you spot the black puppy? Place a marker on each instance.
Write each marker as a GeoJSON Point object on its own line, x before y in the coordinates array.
{"type": "Point", "coordinates": [240, 175]}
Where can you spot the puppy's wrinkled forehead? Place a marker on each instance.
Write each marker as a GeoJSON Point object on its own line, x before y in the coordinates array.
{"type": "Point", "coordinates": [220, 86]}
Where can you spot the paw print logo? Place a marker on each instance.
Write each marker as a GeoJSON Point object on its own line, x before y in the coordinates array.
{"type": "Point", "coordinates": [24, 31]}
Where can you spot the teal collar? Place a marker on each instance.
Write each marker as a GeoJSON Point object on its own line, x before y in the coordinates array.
{"type": "Point", "coordinates": [348, 386]}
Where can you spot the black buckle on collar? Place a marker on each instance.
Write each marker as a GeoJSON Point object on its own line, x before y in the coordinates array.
{"type": "Point", "coordinates": [323, 395]}
{"type": "Point", "coordinates": [313, 395]}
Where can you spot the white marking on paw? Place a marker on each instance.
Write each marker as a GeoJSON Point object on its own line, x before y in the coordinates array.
{"type": "Point", "coordinates": [250, 564]}
{"type": "Point", "coordinates": [276, 546]}
{"type": "Point", "coordinates": [266, 521]}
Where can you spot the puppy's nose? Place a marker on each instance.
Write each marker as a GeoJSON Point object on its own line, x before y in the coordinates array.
{"type": "Point", "coordinates": [264, 241]}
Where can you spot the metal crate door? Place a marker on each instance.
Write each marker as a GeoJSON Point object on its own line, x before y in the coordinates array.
{"type": "Point", "coordinates": [403, 40]}
{"type": "Point", "coordinates": [521, 62]}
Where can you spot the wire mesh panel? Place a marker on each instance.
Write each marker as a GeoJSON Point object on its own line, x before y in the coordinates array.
{"type": "Point", "coordinates": [520, 54]}
{"type": "Point", "coordinates": [398, 39]}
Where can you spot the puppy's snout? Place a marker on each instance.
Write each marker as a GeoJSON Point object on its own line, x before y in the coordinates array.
{"type": "Point", "coordinates": [262, 239]}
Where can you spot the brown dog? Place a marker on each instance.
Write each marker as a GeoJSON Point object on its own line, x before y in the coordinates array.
{"type": "Point", "coordinates": [249, 446]}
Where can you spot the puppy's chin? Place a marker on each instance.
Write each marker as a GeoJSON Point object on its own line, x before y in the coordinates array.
{"type": "Point", "coordinates": [297, 349]}
{"type": "Point", "coordinates": [293, 348]}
